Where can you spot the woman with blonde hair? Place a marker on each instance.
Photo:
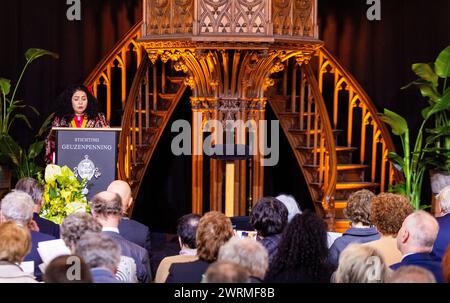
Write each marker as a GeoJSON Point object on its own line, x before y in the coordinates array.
{"type": "Point", "coordinates": [15, 244]}
{"type": "Point", "coordinates": [361, 264]}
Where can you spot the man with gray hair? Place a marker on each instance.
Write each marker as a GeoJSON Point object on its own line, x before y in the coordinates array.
{"type": "Point", "coordinates": [248, 253]}
{"type": "Point", "coordinates": [415, 241]}
{"type": "Point", "coordinates": [35, 190]}
{"type": "Point", "coordinates": [18, 206]}
{"type": "Point", "coordinates": [225, 272]}
{"type": "Point", "coordinates": [443, 219]}
{"type": "Point", "coordinates": [411, 274]}
{"type": "Point", "coordinates": [102, 254]}
{"type": "Point", "coordinates": [106, 208]}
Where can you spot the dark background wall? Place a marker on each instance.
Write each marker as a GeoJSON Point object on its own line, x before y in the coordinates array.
{"type": "Point", "coordinates": [378, 53]}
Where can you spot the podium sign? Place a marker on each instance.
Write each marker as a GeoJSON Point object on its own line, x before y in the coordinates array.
{"type": "Point", "coordinates": [90, 153]}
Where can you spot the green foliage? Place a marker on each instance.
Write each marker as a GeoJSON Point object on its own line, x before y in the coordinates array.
{"type": "Point", "coordinates": [63, 194]}
{"type": "Point", "coordinates": [22, 161]}
{"type": "Point", "coordinates": [432, 146]}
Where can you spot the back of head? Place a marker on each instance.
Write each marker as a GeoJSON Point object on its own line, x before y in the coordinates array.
{"type": "Point", "coordinates": [269, 216]}
{"type": "Point", "coordinates": [358, 207]}
{"type": "Point", "coordinates": [123, 189]}
{"type": "Point", "coordinates": [17, 206]}
{"type": "Point", "coordinates": [291, 205]}
{"type": "Point", "coordinates": [411, 274]}
{"type": "Point", "coordinates": [187, 229]}
{"type": "Point", "coordinates": [106, 204]}
{"type": "Point", "coordinates": [32, 187]}
{"type": "Point", "coordinates": [226, 272]}
{"type": "Point", "coordinates": [15, 242]}
{"type": "Point", "coordinates": [443, 198]}
{"type": "Point", "coordinates": [361, 264]}
{"type": "Point", "coordinates": [303, 246]}
{"type": "Point", "coordinates": [388, 211]}
{"type": "Point", "coordinates": [99, 251]}
{"type": "Point", "coordinates": [248, 253]}
{"type": "Point", "coordinates": [76, 225]}
{"type": "Point", "coordinates": [61, 270]}
{"type": "Point", "coordinates": [423, 229]}
{"type": "Point", "coordinates": [214, 229]}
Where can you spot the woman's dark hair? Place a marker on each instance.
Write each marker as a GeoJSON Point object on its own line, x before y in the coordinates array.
{"type": "Point", "coordinates": [303, 249]}
{"type": "Point", "coordinates": [269, 216]}
{"type": "Point", "coordinates": [64, 101]}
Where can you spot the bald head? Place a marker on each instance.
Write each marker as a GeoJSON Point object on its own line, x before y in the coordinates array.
{"type": "Point", "coordinates": [123, 190]}
{"type": "Point", "coordinates": [418, 233]}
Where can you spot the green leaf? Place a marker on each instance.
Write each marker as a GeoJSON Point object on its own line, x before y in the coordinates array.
{"type": "Point", "coordinates": [45, 125]}
{"type": "Point", "coordinates": [426, 72]}
{"type": "Point", "coordinates": [398, 188]}
{"type": "Point", "coordinates": [34, 53]}
{"type": "Point", "coordinates": [395, 121]}
{"type": "Point", "coordinates": [442, 103]}
{"type": "Point", "coordinates": [396, 158]}
{"type": "Point", "coordinates": [5, 86]}
{"type": "Point", "coordinates": [429, 91]}
{"type": "Point", "coordinates": [442, 64]}
{"type": "Point", "coordinates": [35, 149]}
{"type": "Point", "coordinates": [11, 149]}
{"type": "Point", "coordinates": [21, 117]}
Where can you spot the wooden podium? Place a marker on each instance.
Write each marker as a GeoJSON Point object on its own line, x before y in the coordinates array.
{"type": "Point", "coordinates": [90, 152]}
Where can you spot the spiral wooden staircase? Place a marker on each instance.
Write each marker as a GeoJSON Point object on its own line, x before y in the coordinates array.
{"type": "Point", "coordinates": [329, 121]}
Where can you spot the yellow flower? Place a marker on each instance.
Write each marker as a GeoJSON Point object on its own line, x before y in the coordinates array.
{"type": "Point", "coordinates": [51, 172]}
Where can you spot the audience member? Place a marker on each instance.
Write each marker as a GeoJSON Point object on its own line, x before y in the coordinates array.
{"type": "Point", "coordinates": [102, 254]}
{"type": "Point", "coordinates": [186, 230]}
{"type": "Point", "coordinates": [361, 264]}
{"type": "Point", "coordinates": [15, 243]}
{"type": "Point", "coordinates": [291, 205]}
{"type": "Point", "coordinates": [214, 229]}
{"type": "Point", "coordinates": [226, 272]}
{"type": "Point", "coordinates": [387, 213]}
{"type": "Point", "coordinates": [302, 253]}
{"type": "Point", "coordinates": [131, 230]}
{"type": "Point", "coordinates": [106, 208]}
{"type": "Point", "coordinates": [443, 237]}
{"type": "Point", "coordinates": [61, 270]}
{"type": "Point", "coordinates": [248, 253]}
{"type": "Point", "coordinates": [446, 265]}
{"type": "Point", "coordinates": [17, 206]}
{"type": "Point", "coordinates": [269, 217]}
{"type": "Point", "coordinates": [361, 230]}
{"type": "Point", "coordinates": [415, 241]}
{"type": "Point", "coordinates": [35, 190]}
{"type": "Point", "coordinates": [411, 274]}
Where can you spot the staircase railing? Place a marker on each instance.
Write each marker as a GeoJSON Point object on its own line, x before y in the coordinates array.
{"type": "Point", "coordinates": [373, 147]}
{"type": "Point", "coordinates": [102, 73]}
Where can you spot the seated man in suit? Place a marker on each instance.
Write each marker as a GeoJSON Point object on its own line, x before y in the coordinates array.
{"type": "Point", "coordinates": [186, 230]}
{"type": "Point", "coordinates": [18, 206]}
{"type": "Point", "coordinates": [131, 230]}
{"type": "Point", "coordinates": [106, 208]}
{"type": "Point", "coordinates": [443, 237]}
{"type": "Point", "coordinates": [35, 190]}
{"type": "Point", "coordinates": [415, 241]}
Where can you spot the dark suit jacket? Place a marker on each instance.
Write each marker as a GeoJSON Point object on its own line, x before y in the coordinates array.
{"type": "Point", "coordinates": [47, 226]}
{"type": "Point", "coordinates": [136, 232]}
{"type": "Point", "coordinates": [443, 237]}
{"type": "Point", "coordinates": [37, 237]}
{"type": "Point", "coordinates": [102, 275]}
{"type": "Point", "coordinates": [137, 253]}
{"type": "Point", "coordinates": [190, 272]}
{"type": "Point", "coordinates": [424, 260]}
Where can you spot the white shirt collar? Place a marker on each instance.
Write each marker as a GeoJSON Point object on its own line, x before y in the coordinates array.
{"type": "Point", "coordinates": [113, 229]}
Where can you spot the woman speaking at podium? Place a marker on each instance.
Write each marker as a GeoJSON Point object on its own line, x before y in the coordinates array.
{"type": "Point", "coordinates": [78, 108]}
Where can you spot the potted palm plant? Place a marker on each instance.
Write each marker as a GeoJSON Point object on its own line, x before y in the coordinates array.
{"type": "Point", "coordinates": [431, 148]}
{"type": "Point", "coordinates": [12, 155]}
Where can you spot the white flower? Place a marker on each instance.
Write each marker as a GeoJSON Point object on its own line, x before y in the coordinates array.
{"type": "Point", "coordinates": [51, 172]}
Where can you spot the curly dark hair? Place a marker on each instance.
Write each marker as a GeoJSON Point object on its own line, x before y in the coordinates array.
{"type": "Point", "coordinates": [187, 228]}
{"type": "Point", "coordinates": [303, 250]}
{"type": "Point", "coordinates": [358, 206]}
{"type": "Point", "coordinates": [269, 216]}
{"type": "Point", "coordinates": [64, 101]}
{"type": "Point", "coordinates": [388, 211]}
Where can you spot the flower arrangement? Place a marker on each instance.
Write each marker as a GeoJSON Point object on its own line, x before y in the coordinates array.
{"type": "Point", "coordinates": [63, 194]}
